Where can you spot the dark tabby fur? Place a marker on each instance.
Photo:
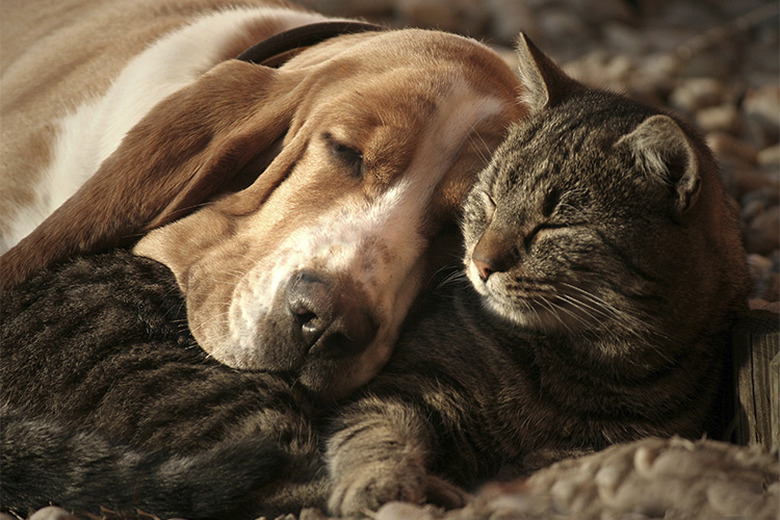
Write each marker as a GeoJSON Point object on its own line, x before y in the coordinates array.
{"type": "Point", "coordinates": [111, 403]}
{"type": "Point", "coordinates": [613, 268]}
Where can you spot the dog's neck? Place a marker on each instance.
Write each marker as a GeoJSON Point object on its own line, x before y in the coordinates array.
{"type": "Point", "coordinates": [276, 50]}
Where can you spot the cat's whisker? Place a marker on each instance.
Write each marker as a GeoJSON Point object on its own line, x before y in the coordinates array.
{"type": "Point", "coordinates": [176, 310]}
{"type": "Point", "coordinates": [607, 308]}
{"type": "Point", "coordinates": [601, 310]}
{"type": "Point", "coordinates": [602, 307]}
{"type": "Point", "coordinates": [577, 316]}
{"type": "Point", "coordinates": [583, 311]}
{"type": "Point", "coordinates": [457, 277]}
{"type": "Point", "coordinates": [554, 312]}
{"type": "Point", "coordinates": [217, 317]}
{"type": "Point", "coordinates": [194, 345]}
{"type": "Point", "coordinates": [480, 150]}
{"type": "Point", "coordinates": [593, 309]}
{"type": "Point", "coordinates": [636, 325]}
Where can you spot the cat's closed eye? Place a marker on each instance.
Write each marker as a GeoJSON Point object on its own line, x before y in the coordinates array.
{"type": "Point", "coordinates": [567, 206]}
{"type": "Point", "coordinates": [551, 202]}
{"type": "Point", "coordinates": [488, 205]}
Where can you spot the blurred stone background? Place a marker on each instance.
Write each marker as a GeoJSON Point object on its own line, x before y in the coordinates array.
{"type": "Point", "coordinates": [714, 62]}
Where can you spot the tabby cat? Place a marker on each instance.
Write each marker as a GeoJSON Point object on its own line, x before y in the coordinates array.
{"type": "Point", "coordinates": [605, 270]}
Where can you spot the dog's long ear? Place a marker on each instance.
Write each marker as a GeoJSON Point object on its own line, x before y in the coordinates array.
{"type": "Point", "coordinates": [185, 151]}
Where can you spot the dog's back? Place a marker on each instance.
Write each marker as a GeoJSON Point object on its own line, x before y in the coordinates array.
{"type": "Point", "coordinates": [50, 62]}
{"type": "Point", "coordinates": [58, 61]}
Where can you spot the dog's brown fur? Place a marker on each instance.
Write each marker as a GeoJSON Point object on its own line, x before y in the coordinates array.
{"type": "Point", "coordinates": [422, 109]}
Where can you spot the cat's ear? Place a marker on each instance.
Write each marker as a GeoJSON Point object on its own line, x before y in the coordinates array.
{"type": "Point", "coordinates": [664, 153]}
{"type": "Point", "coordinates": [544, 82]}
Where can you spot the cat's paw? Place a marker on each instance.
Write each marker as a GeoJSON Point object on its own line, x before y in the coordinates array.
{"type": "Point", "coordinates": [369, 487]}
{"type": "Point", "coordinates": [539, 459]}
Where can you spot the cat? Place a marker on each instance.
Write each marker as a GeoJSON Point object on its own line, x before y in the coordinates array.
{"type": "Point", "coordinates": [604, 270]}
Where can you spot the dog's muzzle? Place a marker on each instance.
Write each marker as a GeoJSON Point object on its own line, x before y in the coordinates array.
{"type": "Point", "coordinates": [316, 319]}
{"type": "Point", "coordinates": [327, 319]}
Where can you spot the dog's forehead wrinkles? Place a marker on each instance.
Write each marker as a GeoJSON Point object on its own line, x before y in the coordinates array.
{"type": "Point", "coordinates": [448, 131]}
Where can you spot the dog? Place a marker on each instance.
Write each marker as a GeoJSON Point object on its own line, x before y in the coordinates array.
{"type": "Point", "coordinates": [301, 176]}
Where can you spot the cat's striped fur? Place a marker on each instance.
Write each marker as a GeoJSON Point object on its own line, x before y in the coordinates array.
{"type": "Point", "coordinates": [110, 402]}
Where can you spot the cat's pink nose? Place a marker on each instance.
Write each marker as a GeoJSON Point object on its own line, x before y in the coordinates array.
{"type": "Point", "coordinates": [483, 268]}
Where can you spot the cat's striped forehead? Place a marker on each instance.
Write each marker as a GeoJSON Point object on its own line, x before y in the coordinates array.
{"type": "Point", "coordinates": [566, 147]}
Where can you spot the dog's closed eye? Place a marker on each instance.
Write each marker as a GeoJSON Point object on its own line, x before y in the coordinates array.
{"type": "Point", "coordinates": [347, 155]}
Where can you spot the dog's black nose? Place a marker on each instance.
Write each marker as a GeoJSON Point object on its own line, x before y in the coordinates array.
{"type": "Point", "coordinates": [333, 317]}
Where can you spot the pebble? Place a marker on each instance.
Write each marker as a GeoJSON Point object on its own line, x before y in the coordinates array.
{"type": "Point", "coordinates": [762, 234]}
{"type": "Point", "coordinates": [726, 146]}
{"type": "Point", "coordinates": [769, 157]}
{"type": "Point", "coordinates": [694, 94]}
{"type": "Point", "coordinates": [766, 291]}
{"type": "Point", "coordinates": [569, 30]}
{"type": "Point", "coordinates": [509, 18]}
{"type": "Point", "coordinates": [680, 14]}
{"type": "Point", "coordinates": [52, 513]}
{"type": "Point", "coordinates": [759, 265]}
{"type": "Point", "coordinates": [764, 305]}
{"type": "Point", "coordinates": [765, 197]}
{"type": "Point", "coordinates": [750, 181]}
{"type": "Point", "coordinates": [603, 69]}
{"type": "Point", "coordinates": [623, 36]}
{"type": "Point", "coordinates": [312, 514]}
{"type": "Point", "coordinates": [654, 79]}
{"type": "Point", "coordinates": [403, 510]}
{"type": "Point", "coordinates": [462, 16]}
{"type": "Point", "coordinates": [762, 107]}
{"type": "Point", "coordinates": [721, 118]}
{"type": "Point", "coordinates": [375, 9]}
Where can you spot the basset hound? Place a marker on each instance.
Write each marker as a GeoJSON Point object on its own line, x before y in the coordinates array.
{"type": "Point", "coordinates": [300, 175]}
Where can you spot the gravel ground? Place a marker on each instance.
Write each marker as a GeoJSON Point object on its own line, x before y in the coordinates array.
{"type": "Point", "coordinates": [716, 63]}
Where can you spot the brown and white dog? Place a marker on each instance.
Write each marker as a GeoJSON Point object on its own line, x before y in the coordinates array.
{"type": "Point", "coordinates": [325, 188]}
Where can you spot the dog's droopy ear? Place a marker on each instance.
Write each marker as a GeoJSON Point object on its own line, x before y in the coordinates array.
{"type": "Point", "coordinates": [184, 152]}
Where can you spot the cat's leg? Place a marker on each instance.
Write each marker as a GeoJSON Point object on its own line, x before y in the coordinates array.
{"type": "Point", "coordinates": [381, 453]}
{"type": "Point", "coordinates": [542, 458]}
